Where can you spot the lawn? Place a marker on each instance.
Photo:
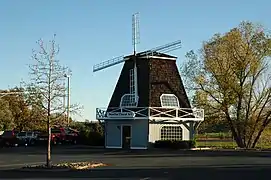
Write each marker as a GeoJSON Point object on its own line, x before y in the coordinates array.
{"type": "Point", "coordinates": [224, 140]}
{"type": "Point", "coordinates": [217, 144]}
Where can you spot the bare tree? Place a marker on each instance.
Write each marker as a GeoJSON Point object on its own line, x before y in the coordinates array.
{"type": "Point", "coordinates": [47, 75]}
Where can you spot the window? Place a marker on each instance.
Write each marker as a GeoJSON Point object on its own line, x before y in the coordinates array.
{"type": "Point", "coordinates": [55, 131]}
{"type": "Point", "coordinates": [132, 81]}
{"type": "Point", "coordinates": [21, 134]}
{"type": "Point", "coordinates": [171, 133]}
{"type": "Point", "coordinates": [29, 134]}
{"type": "Point", "coordinates": [128, 100]}
{"type": "Point", "coordinates": [169, 100]}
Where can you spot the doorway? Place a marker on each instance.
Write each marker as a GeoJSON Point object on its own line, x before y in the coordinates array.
{"type": "Point", "coordinates": [126, 136]}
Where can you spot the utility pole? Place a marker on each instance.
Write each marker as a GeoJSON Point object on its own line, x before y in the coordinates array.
{"type": "Point", "coordinates": [68, 103]}
{"type": "Point", "coordinates": [68, 97]}
{"type": "Point", "coordinates": [64, 100]}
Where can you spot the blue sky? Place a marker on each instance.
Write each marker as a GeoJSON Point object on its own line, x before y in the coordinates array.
{"type": "Point", "coordinates": [91, 31]}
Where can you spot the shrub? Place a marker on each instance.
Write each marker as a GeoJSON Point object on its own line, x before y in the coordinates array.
{"type": "Point", "coordinates": [171, 144]}
{"type": "Point", "coordinates": [90, 133]}
{"type": "Point", "coordinates": [91, 138]}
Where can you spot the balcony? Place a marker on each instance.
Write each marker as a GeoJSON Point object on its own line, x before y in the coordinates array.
{"type": "Point", "coordinates": [153, 114]}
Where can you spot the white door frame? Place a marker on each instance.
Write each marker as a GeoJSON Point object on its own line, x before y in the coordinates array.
{"type": "Point", "coordinates": [121, 143]}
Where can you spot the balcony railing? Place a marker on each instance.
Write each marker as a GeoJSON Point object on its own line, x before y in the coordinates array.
{"type": "Point", "coordinates": [150, 113]}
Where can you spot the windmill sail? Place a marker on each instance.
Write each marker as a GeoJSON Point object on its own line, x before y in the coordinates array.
{"type": "Point", "coordinates": [164, 48]}
{"type": "Point", "coordinates": [120, 59]}
{"type": "Point", "coordinates": [136, 37]}
{"type": "Point", "coordinates": [108, 63]}
{"type": "Point", "coordinates": [135, 31]}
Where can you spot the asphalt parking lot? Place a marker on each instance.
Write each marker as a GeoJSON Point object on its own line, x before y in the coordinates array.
{"type": "Point", "coordinates": [152, 164]}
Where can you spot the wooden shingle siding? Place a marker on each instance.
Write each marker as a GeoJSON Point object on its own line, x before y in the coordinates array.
{"type": "Point", "coordinates": [155, 77]}
{"type": "Point", "coordinates": [143, 82]}
{"type": "Point", "coordinates": [122, 86]}
{"type": "Point", "coordinates": [165, 79]}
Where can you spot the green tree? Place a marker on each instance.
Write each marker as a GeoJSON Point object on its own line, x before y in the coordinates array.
{"type": "Point", "coordinates": [34, 99]}
{"type": "Point", "coordinates": [19, 108]}
{"type": "Point", "coordinates": [231, 74]}
{"type": "Point", "coordinates": [6, 118]}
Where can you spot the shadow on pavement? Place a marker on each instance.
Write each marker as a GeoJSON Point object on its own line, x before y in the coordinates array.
{"type": "Point", "coordinates": [248, 173]}
{"type": "Point", "coordinates": [75, 150]}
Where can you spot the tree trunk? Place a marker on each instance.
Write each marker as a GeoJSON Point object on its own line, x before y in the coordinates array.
{"type": "Point", "coordinates": [237, 138]}
{"type": "Point", "coordinates": [48, 160]}
{"type": "Point", "coordinates": [257, 137]}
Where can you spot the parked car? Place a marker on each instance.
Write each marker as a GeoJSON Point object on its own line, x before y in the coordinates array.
{"type": "Point", "coordinates": [1, 143]}
{"type": "Point", "coordinates": [9, 138]}
{"type": "Point", "coordinates": [59, 135]}
{"type": "Point", "coordinates": [27, 138]}
{"type": "Point", "coordinates": [72, 135]}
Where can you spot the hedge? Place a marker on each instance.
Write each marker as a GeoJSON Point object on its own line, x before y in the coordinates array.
{"type": "Point", "coordinates": [91, 138]}
{"type": "Point", "coordinates": [171, 144]}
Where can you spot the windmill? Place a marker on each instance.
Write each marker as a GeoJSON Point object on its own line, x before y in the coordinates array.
{"type": "Point", "coordinates": [149, 102]}
{"type": "Point", "coordinates": [133, 97]}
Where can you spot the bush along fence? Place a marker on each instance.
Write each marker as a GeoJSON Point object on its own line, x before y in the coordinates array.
{"type": "Point", "coordinates": [171, 144]}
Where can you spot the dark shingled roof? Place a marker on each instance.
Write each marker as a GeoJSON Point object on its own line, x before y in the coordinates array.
{"type": "Point", "coordinates": [155, 77]}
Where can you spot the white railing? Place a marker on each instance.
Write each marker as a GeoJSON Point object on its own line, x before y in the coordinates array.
{"type": "Point", "coordinates": [151, 113]}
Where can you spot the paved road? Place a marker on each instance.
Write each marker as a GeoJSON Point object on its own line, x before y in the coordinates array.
{"type": "Point", "coordinates": [142, 164]}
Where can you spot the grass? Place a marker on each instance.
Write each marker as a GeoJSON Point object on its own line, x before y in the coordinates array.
{"type": "Point", "coordinates": [216, 144]}
{"type": "Point", "coordinates": [224, 140]}
{"type": "Point", "coordinates": [221, 135]}
{"type": "Point", "coordinates": [229, 145]}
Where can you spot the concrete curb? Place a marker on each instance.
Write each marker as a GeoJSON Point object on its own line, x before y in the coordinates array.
{"type": "Point", "coordinates": [205, 148]}
{"type": "Point", "coordinates": [44, 170]}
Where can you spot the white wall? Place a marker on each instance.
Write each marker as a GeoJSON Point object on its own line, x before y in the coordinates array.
{"type": "Point", "coordinates": [139, 133]}
{"type": "Point", "coordinates": [155, 131]}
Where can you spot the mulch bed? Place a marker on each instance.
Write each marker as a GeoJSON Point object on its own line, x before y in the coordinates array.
{"type": "Point", "coordinates": [67, 166]}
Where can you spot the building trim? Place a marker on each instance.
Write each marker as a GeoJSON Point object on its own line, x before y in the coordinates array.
{"type": "Point", "coordinates": [153, 114]}
{"type": "Point", "coordinates": [113, 147]}
{"type": "Point", "coordinates": [157, 119]}
{"type": "Point", "coordinates": [139, 148]}
{"type": "Point", "coordinates": [158, 57]}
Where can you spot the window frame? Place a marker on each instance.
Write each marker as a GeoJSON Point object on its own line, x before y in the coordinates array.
{"type": "Point", "coordinates": [131, 102]}
{"type": "Point", "coordinates": [168, 132]}
{"type": "Point", "coordinates": [169, 95]}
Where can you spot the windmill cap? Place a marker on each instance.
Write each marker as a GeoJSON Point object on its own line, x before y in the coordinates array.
{"type": "Point", "coordinates": [152, 54]}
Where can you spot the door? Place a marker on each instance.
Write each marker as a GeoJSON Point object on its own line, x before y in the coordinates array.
{"type": "Point", "coordinates": [126, 137]}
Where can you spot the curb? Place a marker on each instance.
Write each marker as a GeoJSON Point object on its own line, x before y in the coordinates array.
{"type": "Point", "coordinates": [43, 170]}
{"type": "Point", "coordinates": [196, 149]}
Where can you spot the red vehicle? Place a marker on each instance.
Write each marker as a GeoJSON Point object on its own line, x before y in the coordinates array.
{"type": "Point", "coordinates": [8, 138]}
{"type": "Point", "coordinates": [60, 136]}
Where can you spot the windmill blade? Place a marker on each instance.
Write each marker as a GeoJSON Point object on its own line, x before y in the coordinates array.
{"type": "Point", "coordinates": [108, 63]}
{"type": "Point", "coordinates": [135, 30]}
{"type": "Point", "coordinates": [165, 48]}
